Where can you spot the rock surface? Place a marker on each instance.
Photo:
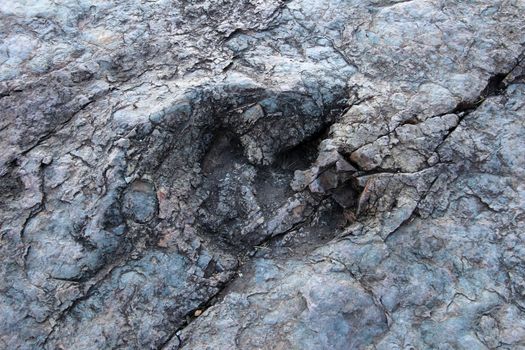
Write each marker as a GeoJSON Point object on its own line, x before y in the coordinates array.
{"type": "Point", "coordinates": [262, 174]}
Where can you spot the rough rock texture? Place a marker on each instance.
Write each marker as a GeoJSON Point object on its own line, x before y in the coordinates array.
{"type": "Point", "coordinates": [262, 174]}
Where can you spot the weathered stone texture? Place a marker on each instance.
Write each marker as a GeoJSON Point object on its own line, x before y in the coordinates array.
{"type": "Point", "coordinates": [262, 174]}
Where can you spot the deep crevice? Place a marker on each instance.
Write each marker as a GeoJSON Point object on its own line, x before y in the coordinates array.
{"type": "Point", "coordinates": [301, 156]}
{"type": "Point", "coordinates": [224, 164]}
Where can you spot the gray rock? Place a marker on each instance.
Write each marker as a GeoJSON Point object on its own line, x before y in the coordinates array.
{"type": "Point", "coordinates": [140, 201]}
{"type": "Point", "coordinates": [264, 174]}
